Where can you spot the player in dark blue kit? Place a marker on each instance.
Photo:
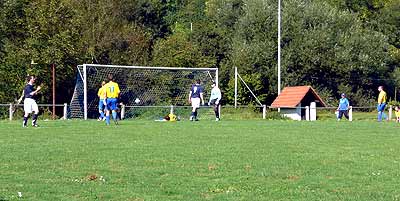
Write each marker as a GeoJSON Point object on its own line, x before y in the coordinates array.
{"type": "Point", "coordinates": [30, 104]}
{"type": "Point", "coordinates": [195, 95]}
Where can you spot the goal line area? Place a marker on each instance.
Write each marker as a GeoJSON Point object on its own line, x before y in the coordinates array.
{"type": "Point", "coordinates": [184, 112]}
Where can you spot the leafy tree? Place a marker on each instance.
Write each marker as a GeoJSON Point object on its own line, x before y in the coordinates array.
{"type": "Point", "coordinates": [321, 46]}
{"type": "Point", "coordinates": [151, 15]}
{"type": "Point", "coordinates": [328, 48]}
{"type": "Point", "coordinates": [387, 21]}
{"type": "Point", "coordinates": [177, 50]}
{"type": "Point", "coordinates": [107, 35]}
{"type": "Point", "coordinates": [51, 44]}
{"type": "Point", "coordinates": [253, 51]}
{"type": "Point", "coordinates": [12, 35]}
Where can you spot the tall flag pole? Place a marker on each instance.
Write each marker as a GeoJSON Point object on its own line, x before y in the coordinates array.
{"type": "Point", "coordinates": [279, 47]}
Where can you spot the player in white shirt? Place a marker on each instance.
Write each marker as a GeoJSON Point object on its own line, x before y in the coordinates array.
{"type": "Point", "coordinates": [215, 99]}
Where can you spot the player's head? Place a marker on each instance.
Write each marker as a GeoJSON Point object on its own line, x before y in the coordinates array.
{"type": "Point", "coordinates": [30, 79]}
{"type": "Point", "coordinates": [343, 95]}
{"type": "Point", "coordinates": [380, 88]}
{"type": "Point", "coordinates": [213, 85]}
{"type": "Point", "coordinates": [103, 83]}
{"type": "Point", "coordinates": [198, 81]}
{"type": "Point", "coordinates": [110, 77]}
{"type": "Point", "coordinates": [396, 108]}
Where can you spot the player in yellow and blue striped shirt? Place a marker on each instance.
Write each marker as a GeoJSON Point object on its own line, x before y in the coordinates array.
{"type": "Point", "coordinates": [112, 94]}
{"type": "Point", "coordinates": [102, 100]}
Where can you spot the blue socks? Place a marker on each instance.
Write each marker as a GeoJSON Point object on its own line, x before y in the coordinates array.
{"type": "Point", "coordinates": [114, 115]}
{"type": "Point", "coordinates": [108, 119]}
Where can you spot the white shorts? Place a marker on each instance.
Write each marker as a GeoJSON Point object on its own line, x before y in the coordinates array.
{"type": "Point", "coordinates": [30, 106]}
{"type": "Point", "coordinates": [195, 102]}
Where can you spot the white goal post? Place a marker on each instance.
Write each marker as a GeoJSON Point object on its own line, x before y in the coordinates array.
{"type": "Point", "coordinates": [153, 86]}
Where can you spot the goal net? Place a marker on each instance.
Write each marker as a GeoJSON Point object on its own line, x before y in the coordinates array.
{"type": "Point", "coordinates": [155, 87]}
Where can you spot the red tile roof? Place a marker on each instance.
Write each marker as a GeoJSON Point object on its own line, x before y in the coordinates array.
{"type": "Point", "coordinates": [292, 96]}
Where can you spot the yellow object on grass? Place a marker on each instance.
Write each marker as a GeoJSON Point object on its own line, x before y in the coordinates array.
{"type": "Point", "coordinates": [172, 117]}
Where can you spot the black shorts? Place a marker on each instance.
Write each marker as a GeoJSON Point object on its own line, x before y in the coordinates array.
{"type": "Point", "coordinates": [212, 102]}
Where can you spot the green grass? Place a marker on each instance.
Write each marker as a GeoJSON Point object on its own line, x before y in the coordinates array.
{"type": "Point", "coordinates": [206, 160]}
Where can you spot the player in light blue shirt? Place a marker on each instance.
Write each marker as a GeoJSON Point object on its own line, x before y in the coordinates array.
{"type": "Point", "coordinates": [215, 99]}
{"type": "Point", "coordinates": [343, 107]}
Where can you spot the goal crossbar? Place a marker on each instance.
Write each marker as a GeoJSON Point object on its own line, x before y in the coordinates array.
{"type": "Point", "coordinates": [150, 67]}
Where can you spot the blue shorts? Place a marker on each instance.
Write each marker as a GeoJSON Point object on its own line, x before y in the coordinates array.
{"type": "Point", "coordinates": [102, 106]}
{"type": "Point", "coordinates": [112, 103]}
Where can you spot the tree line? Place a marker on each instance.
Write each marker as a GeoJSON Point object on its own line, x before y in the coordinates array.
{"type": "Point", "coordinates": [336, 46]}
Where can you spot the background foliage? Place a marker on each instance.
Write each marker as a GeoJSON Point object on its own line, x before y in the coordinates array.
{"type": "Point", "coordinates": [335, 46]}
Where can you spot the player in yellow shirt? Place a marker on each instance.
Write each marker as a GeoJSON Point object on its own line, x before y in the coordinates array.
{"type": "Point", "coordinates": [397, 112]}
{"type": "Point", "coordinates": [102, 100]}
{"type": "Point", "coordinates": [381, 104]}
{"type": "Point", "coordinates": [112, 94]}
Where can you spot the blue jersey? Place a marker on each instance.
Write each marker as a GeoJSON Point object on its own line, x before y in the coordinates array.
{"type": "Point", "coordinates": [28, 90]}
{"type": "Point", "coordinates": [343, 104]}
{"type": "Point", "coordinates": [196, 90]}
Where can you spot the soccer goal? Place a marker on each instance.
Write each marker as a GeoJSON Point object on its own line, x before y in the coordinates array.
{"type": "Point", "coordinates": [155, 87]}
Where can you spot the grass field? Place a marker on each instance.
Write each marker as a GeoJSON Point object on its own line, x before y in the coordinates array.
{"type": "Point", "coordinates": [206, 160]}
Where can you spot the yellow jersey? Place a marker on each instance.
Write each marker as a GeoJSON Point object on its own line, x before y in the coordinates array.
{"type": "Point", "coordinates": [382, 97]}
{"type": "Point", "coordinates": [172, 117]}
{"type": "Point", "coordinates": [102, 93]}
{"type": "Point", "coordinates": [112, 90]}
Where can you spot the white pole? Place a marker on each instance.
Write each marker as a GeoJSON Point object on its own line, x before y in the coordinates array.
{"type": "Point", "coordinates": [216, 78]}
{"type": "Point", "coordinates": [236, 82]}
{"type": "Point", "coordinates": [122, 111]}
{"type": "Point", "coordinates": [11, 113]}
{"type": "Point", "coordinates": [350, 113]}
{"type": "Point", "coordinates": [216, 83]}
{"type": "Point", "coordinates": [307, 113]}
{"type": "Point", "coordinates": [313, 111]}
{"type": "Point", "coordinates": [219, 110]}
{"type": "Point", "coordinates": [84, 92]}
{"type": "Point", "coordinates": [65, 111]}
{"type": "Point", "coordinates": [264, 111]}
{"type": "Point", "coordinates": [390, 112]}
{"type": "Point", "coordinates": [171, 111]}
{"type": "Point", "coordinates": [279, 47]}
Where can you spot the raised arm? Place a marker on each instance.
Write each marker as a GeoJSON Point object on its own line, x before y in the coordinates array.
{"type": "Point", "coordinates": [20, 98]}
